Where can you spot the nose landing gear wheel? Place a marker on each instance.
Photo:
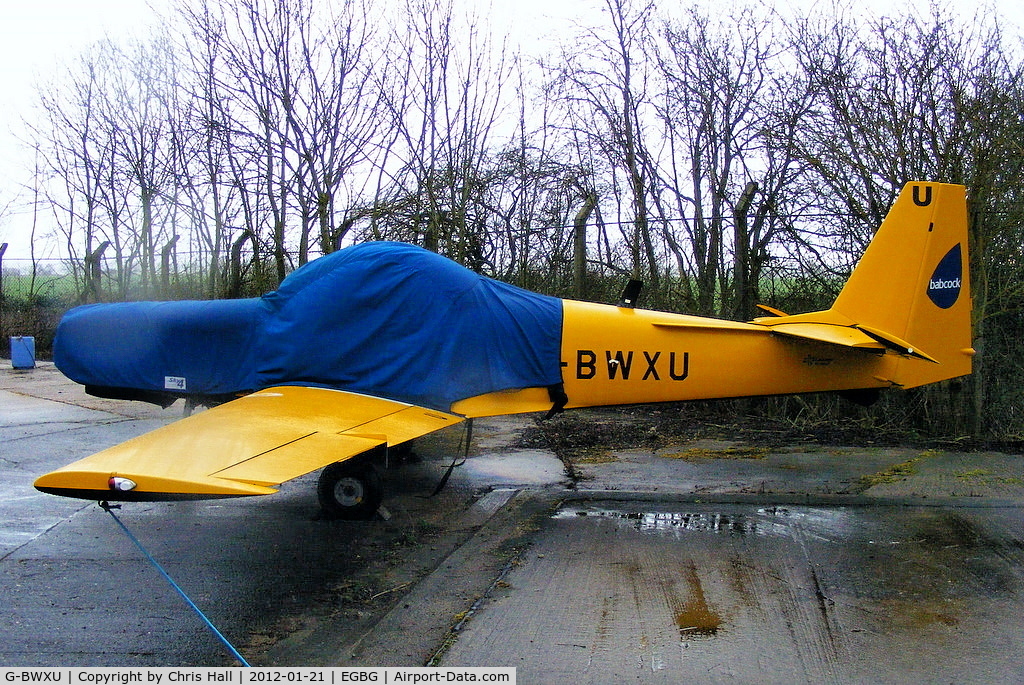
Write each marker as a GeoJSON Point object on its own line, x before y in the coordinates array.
{"type": "Point", "coordinates": [350, 491]}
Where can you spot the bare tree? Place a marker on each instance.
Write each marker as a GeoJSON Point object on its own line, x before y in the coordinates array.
{"type": "Point", "coordinates": [330, 111]}
{"type": "Point", "coordinates": [140, 118]}
{"type": "Point", "coordinates": [445, 101]}
{"type": "Point", "coordinates": [79, 155]}
{"type": "Point", "coordinates": [604, 89]}
{"type": "Point", "coordinates": [207, 150]}
{"type": "Point", "coordinates": [727, 118]}
{"type": "Point", "coordinates": [925, 98]}
{"type": "Point", "coordinates": [256, 39]}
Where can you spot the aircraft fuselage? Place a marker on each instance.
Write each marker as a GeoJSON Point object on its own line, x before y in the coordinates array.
{"type": "Point", "coordinates": [613, 355]}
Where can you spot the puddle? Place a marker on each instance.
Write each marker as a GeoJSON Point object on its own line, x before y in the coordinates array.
{"type": "Point", "coordinates": [660, 522]}
{"type": "Point", "coordinates": [835, 525]}
{"type": "Point", "coordinates": [694, 617]}
{"type": "Point", "coordinates": [767, 521]}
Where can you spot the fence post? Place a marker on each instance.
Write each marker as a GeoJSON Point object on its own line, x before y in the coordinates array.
{"type": "Point", "coordinates": [93, 272]}
{"type": "Point", "coordinates": [165, 265]}
{"type": "Point", "coordinates": [579, 240]}
{"type": "Point", "coordinates": [743, 300]}
{"type": "Point", "coordinates": [3, 248]}
{"type": "Point", "coordinates": [235, 285]}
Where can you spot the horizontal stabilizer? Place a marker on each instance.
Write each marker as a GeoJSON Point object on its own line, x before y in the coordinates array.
{"type": "Point", "coordinates": [856, 337]}
{"type": "Point", "coordinates": [821, 327]}
{"type": "Point", "coordinates": [845, 336]}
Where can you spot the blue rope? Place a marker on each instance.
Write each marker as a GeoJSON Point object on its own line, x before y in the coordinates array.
{"type": "Point", "coordinates": [108, 508]}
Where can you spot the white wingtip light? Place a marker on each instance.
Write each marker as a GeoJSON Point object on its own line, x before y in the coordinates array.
{"type": "Point", "coordinates": [121, 484]}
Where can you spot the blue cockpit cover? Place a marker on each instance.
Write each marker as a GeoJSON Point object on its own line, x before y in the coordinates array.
{"type": "Point", "coordinates": [386, 319]}
{"type": "Point", "coordinates": [203, 348]}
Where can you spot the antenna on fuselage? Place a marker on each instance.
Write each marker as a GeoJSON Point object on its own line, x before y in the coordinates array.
{"type": "Point", "coordinates": [631, 293]}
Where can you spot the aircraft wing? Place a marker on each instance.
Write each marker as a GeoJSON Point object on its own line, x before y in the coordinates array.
{"type": "Point", "coordinates": [246, 446]}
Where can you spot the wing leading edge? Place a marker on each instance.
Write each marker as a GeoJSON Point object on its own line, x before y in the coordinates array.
{"type": "Point", "coordinates": [246, 446]}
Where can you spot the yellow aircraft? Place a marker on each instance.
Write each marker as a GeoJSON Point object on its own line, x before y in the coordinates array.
{"type": "Point", "coordinates": [381, 343]}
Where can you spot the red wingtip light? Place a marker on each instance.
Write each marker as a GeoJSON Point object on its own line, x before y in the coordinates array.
{"type": "Point", "coordinates": [121, 484]}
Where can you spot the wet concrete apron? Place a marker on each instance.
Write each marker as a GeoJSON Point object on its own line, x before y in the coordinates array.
{"type": "Point", "coordinates": [621, 591]}
{"type": "Point", "coordinates": [698, 562]}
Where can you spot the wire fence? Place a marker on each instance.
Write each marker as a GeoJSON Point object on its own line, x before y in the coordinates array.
{"type": "Point", "coordinates": [33, 297]}
{"type": "Point", "coordinates": [48, 282]}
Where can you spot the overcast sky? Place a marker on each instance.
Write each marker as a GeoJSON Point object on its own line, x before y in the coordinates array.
{"type": "Point", "coordinates": [36, 39]}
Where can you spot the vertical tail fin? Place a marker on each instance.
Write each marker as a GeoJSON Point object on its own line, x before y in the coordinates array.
{"type": "Point", "coordinates": [910, 292]}
{"type": "Point", "coordinates": [911, 288]}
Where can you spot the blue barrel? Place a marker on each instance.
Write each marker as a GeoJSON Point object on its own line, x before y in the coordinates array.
{"type": "Point", "coordinates": [23, 352]}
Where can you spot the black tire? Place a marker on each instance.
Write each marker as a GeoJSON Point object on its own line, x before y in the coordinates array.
{"type": "Point", "coordinates": [350, 491]}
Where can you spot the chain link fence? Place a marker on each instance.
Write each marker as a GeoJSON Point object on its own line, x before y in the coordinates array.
{"type": "Point", "coordinates": [33, 297]}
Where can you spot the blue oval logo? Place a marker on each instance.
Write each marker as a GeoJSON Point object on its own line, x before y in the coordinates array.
{"type": "Point", "coordinates": [944, 285]}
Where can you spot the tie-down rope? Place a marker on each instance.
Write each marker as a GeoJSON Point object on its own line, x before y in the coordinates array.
{"type": "Point", "coordinates": [107, 507]}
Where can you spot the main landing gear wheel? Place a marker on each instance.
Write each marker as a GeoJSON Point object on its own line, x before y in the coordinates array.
{"type": "Point", "coordinates": [350, 491]}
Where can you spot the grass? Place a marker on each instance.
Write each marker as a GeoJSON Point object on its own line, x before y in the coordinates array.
{"type": "Point", "coordinates": [893, 474]}
{"type": "Point", "coordinates": [591, 455]}
{"type": "Point", "coordinates": [49, 288]}
{"type": "Point", "coordinates": [698, 453]}
{"type": "Point", "coordinates": [898, 472]}
{"type": "Point", "coordinates": [984, 476]}
{"type": "Point", "coordinates": [972, 474]}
